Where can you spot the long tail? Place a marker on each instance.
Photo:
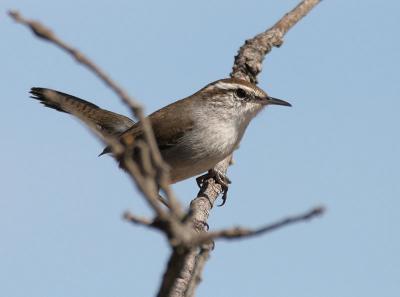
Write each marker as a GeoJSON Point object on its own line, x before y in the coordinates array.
{"type": "Point", "coordinates": [106, 123]}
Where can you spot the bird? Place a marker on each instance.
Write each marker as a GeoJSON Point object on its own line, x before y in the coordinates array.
{"type": "Point", "coordinates": [193, 134]}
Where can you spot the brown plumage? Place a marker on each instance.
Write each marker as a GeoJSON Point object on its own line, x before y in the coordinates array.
{"type": "Point", "coordinates": [107, 123]}
{"type": "Point", "coordinates": [193, 134]}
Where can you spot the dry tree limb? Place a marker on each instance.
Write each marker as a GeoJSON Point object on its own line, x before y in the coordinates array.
{"type": "Point", "coordinates": [151, 192]}
{"type": "Point", "coordinates": [170, 223]}
{"type": "Point", "coordinates": [247, 66]}
{"type": "Point", "coordinates": [240, 232]}
{"type": "Point", "coordinates": [186, 263]}
{"type": "Point", "coordinates": [201, 259]}
{"type": "Point", "coordinates": [206, 242]}
{"type": "Point", "coordinates": [248, 61]}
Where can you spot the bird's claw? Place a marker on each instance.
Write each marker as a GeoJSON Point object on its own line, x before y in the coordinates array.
{"type": "Point", "coordinates": [200, 180]}
{"type": "Point", "coordinates": [201, 225]}
{"type": "Point", "coordinates": [224, 181]}
{"type": "Point", "coordinates": [220, 178]}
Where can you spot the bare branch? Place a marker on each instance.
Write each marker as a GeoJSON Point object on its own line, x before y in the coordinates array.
{"type": "Point", "coordinates": [161, 167]}
{"type": "Point", "coordinates": [182, 264]}
{"type": "Point", "coordinates": [248, 62]}
{"type": "Point", "coordinates": [45, 33]}
{"type": "Point", "coordinates": [240, 232]}
{"type": "Point", "coordinates": [200, 263]}
{"type": "Point", "coordinates": [137, 220]}
{"type": "Point", "coordinates": [144, 183]}
{"type": "Point", "coordinates": [247, 66]}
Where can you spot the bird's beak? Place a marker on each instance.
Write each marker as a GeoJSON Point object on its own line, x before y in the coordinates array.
{"type": "Point", "coordinates": [276, 101]}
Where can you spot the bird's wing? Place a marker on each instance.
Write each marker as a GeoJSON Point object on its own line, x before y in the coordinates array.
{"type": "Point", "coordinates": [164, 123]}
{"type": "Point", "coordinates": [105, 122]}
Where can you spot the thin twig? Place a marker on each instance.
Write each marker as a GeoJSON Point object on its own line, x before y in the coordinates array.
{"type": "Point", "coordinates": [240, 232]}
{"type": "Point", "coordinates": [45, 33]}
{"type": "Point", "coordinates": [145, 184]}
{"type": "Point", "coordinates": [137, 220]}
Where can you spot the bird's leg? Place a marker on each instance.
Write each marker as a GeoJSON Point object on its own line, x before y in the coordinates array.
{"type": "Point", "coordinates": [200, 180]}
{"type": "Point", "coordinates": [220, 178]}
{"type": "Point", "coordinates": [224, 181]}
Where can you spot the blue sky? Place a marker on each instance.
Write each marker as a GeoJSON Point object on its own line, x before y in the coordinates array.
{"type": "Point", "coordinates": [60, 205]}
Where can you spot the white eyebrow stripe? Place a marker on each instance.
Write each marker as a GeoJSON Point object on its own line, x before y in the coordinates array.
{"type": "Point", "coordinates": [232, 86]}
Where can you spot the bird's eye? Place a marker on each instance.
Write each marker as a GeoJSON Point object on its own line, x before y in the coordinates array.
{"type": "Point", "coordinates": [240, 93]}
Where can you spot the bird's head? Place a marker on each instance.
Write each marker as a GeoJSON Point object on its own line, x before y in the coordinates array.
{"type": "Point", "coordinates": [241, 97]}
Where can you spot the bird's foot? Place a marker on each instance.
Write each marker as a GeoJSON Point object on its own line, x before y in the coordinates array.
{"type": "Point", "coordinates": [201, 225]}
{"type": "Point", "coordinates": [220, 178]}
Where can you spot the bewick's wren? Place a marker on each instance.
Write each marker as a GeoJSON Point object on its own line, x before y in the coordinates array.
{"type": "Point", "coordinates": [193, 134]}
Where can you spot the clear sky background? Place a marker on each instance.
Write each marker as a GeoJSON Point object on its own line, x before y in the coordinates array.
{"type": "Point", "coordinates": [61, 232]}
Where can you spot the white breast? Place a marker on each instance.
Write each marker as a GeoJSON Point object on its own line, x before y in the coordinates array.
{"type": "Point", "coordinates": [214, 136]}
{"type": "Point", "coordinates": [211, 140]}
{"type": "Point", "coordinates": [201, 149]}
